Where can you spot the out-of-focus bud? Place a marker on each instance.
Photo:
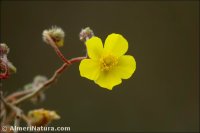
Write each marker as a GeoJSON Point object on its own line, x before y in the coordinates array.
{"type": "Point", "coordinates": [86, 34]}
{"type": "Point", "coordinates": [56, 34]}
{"type": "Point", "coordinates": [38, 81]}
{"type": "Point", "coordinates": [4, 49]}
{"type": "Point", "coordinates": [38, 98]}
{"type": "Point", "coordinates": [6, 67]}
{"type": "Point", "coordinates": [42, 117]}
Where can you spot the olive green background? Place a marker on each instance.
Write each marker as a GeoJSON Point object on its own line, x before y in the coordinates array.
{"type": "Point", "coordinates": [163, 36]}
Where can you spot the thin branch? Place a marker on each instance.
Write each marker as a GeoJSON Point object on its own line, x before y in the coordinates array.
{"type": "Point", "coordinates": [18, 112]}
{"type": "Point", "coordinates": [11, 106]}
{"type": "Point", "coordinates": [18, 94]}
{"type": "Point", "coordinates": [16, 98]}
{"type": "Point", "coordinates": [61, 55]}
{"type": "Point", "coordinates": [49, 82]}
{"type": "Point", "coordinates": [77, 59]}
{"type": "Point", "coordinates": [43, 86]}
{"type": "Point", "coordinates": [58, 52]}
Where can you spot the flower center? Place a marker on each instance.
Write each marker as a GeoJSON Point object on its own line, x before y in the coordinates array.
{"type": "Point", "coordinates": [107, 62]}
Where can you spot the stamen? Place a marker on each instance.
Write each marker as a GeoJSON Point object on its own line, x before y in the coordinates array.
{"type": "Point", "coordinates": [107, 62]}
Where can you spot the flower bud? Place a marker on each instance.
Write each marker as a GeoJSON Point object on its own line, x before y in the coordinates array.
{"type": "Point", "coordinates": [56, 34]}
{"type": "Point", "coordinates": [42, 117]}
{"type": "Point", "coordinates": [4, 49]}
{"type": "Point", "coordinates": [6, 67]}
{"type": "Point", "coordinates": [38, 81]}
{"type": "Point", "coordinates": [86, 34]}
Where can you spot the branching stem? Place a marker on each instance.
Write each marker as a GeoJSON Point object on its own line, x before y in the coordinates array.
{"type": "Point", "coordinates": [12, 101]}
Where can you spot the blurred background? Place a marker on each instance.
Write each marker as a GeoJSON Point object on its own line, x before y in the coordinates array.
{"type": "Point", "coordinates": [163, 36]}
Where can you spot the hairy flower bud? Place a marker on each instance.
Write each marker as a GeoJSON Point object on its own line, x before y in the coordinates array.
{"type": "Point", "coordinates": [86, 34]}
{"type": "Point", "coordinates": [4, 49]}
{"type": "Point", "coordinates": [56, 34]}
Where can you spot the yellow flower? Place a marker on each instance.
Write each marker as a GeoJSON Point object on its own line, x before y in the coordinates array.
{"type": "Point", "coordinates": [107, 65]}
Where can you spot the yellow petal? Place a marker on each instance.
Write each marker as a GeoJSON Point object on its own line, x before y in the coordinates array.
{"type": "Point", "coordinates": [94, 47]}
{"type": "Point", "coordinates": [116, 44]}
{"type": "Point", "coordinates": [108, 80]}
{"type": "Point", "coordinates": [89, 68]}
{"type": "Point", "coordinates": [125, 67]}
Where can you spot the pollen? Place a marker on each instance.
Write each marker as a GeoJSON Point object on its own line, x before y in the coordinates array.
{"type": "Point", "coordinates": [107, 62]}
